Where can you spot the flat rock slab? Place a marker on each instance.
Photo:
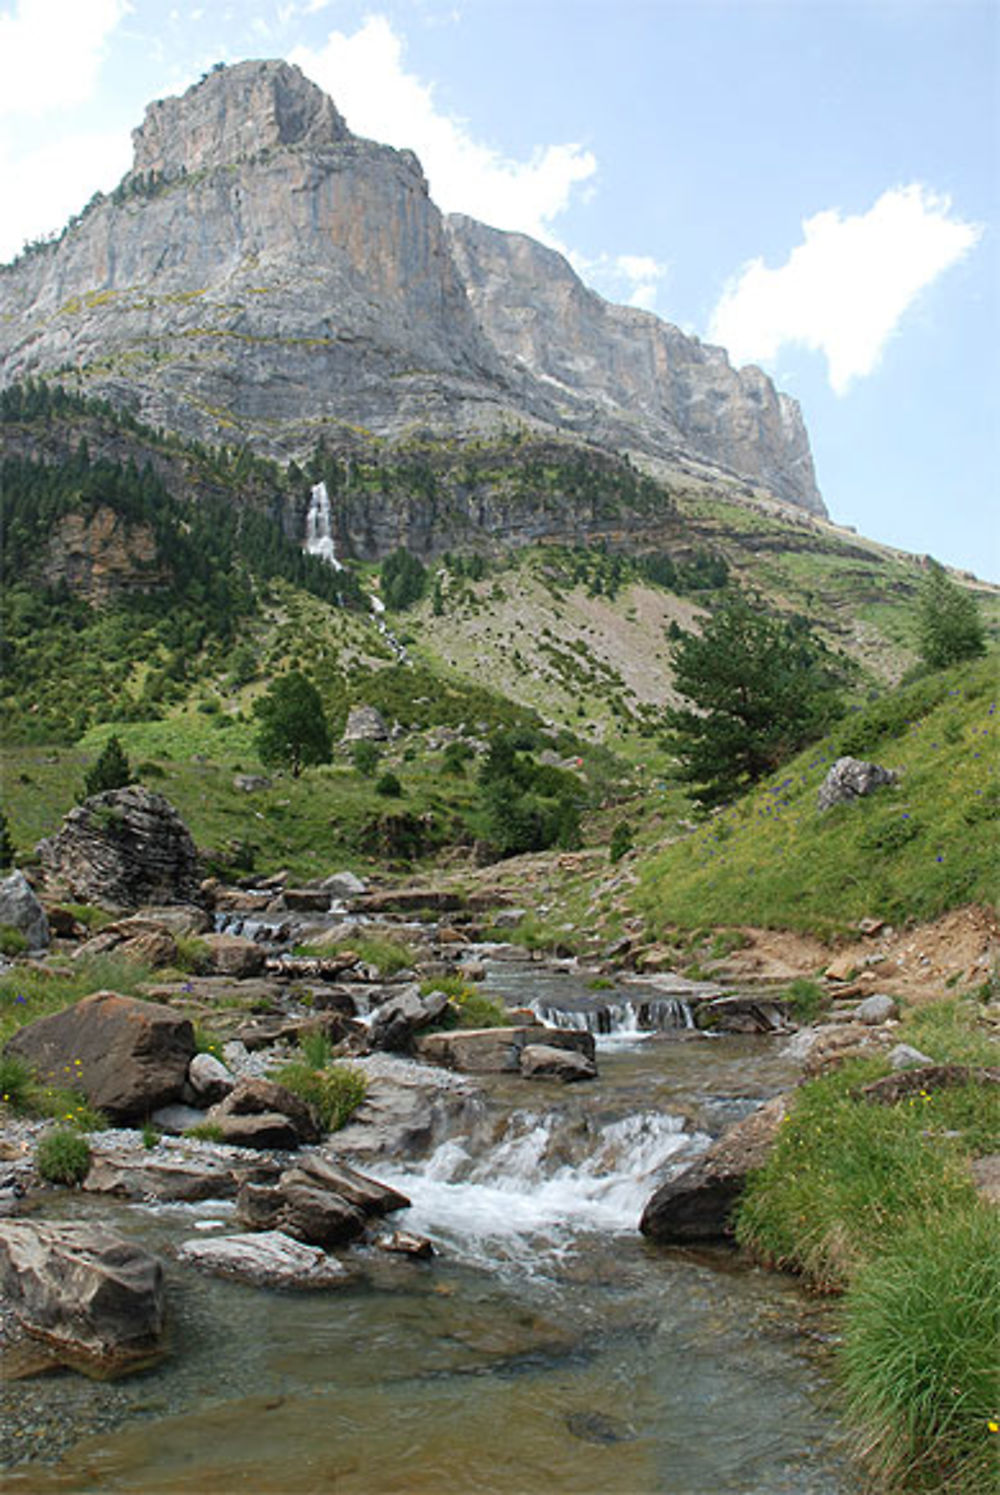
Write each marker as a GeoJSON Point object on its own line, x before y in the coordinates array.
{"type": "Point", "coordinates": [167, 1174]}
{"type": "Point", "coordinates": [697, 1203]}
{"type": "Point", "coordinates": [926, 1078]}
{"type": "Point", "coordinates": [83, 1287]}
{"type": "Point", "coordinates": [126, 1056]}
{"type": "Point", "coordinates": [496, 1050]}
{"type": "Point", "coordinates": [266, 1258]}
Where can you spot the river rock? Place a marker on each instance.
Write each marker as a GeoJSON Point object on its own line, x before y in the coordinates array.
{"type": "Point", "coordinates": [231, 955]}
{"type": "Point", "coordinates": [319, 1217]}
{"type": "Point", "coordinates": [139, 939]}
{"type": "Point", "coordinates": [496, 1050]}
{"type": "Point", "coordinates": [697, 1203]}
{"type": "Point", "coordinates": [127, 1057]}
{"type": "Point", "coordinates": [265, 1259]}
{"type": "Point", "coordinates": [123, 848]}
{"type": "Point", "coordinates": [83, 1287]}
{"type": "Point", "coordinates": [209, 1079]}
{"type": "Point", "coordinates": [344, 885]}
{"type": "Point", "coordinates": [405, 1243]}
{"type": "Point", "coordinates": [735, 1014]}
{"type": "Point", "coordinates": [403, 1015]}
{"type": "Point", "coordinates": [850, 779]}
{"type": "Point", "coordinates": [875, 1010]}
{"type": "Point", "coordinates": [542, 1061]}
{"type": "Point", "coordinates": [267, 1101]}
{"type": "Point", "coordinates": [321, 1170]}
{"type": "Point", "coordinates": [21, 910]}
{"type": "Point", "coordinates": [905, 1056]}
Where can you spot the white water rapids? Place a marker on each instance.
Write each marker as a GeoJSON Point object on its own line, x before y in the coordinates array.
{"type": "Point", "coordinates": [319, 531]}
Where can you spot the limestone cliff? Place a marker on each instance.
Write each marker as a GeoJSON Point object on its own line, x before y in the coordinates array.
{"type": "Point", "coordinates": [263, 276]}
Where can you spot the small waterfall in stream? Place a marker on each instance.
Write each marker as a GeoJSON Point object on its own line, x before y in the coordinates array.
{"type": "Point", "coordinates": [319, 533]}
{"type": "Point", "coordinates": [617, 1016]}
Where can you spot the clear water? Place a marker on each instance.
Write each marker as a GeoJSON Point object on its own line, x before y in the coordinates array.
{"type": "Point", "coordinates": [546, 1348]}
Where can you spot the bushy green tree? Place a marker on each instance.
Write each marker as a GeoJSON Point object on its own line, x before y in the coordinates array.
{"type": "Point", "coordinates": [759, 689]}
{"type": "Point", "coordinates": [526, 806]}
{"type": "Point", "coordinates": [293, 728]}
{"type": "Point", "coordinates": [111, 771]}
{"type": "Point", "coordinates": [949, 628]}
{"type": "Point", "coordinates": [365, 757]}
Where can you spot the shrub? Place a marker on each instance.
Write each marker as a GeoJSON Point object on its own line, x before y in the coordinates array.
{"type": "Point", "coordinates": [335, 1093]}
{"type": "Point", "coordinates": [389, 786]}
{"type": "Point", "coordinates": [12, 941]}
{"type": "Point", "coordinates": [470, 1008]}
{"type": "Point", "coordinates": [621, 840]}
{"type": "Point", "coordinates": [920, 1353]}
{"type": "Point", "coordinates": [16, 1079]}
{"type": "Point", "coordinates": [7, 852]}
{"type": "Point", "coordinates": [317, 1050]}
{"type": "Point", "coordinates": [365, 757]}
{"type": "Point", "coordinates": [63, 1157]}
{"type": "Point", "coordinates": [806, 1000]}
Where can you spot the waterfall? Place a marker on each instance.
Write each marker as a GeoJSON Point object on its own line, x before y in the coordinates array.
{"type": "Point", "coordinates": [616, 1017]}
{"type": "Point", "coordinates": [319, 536]}
{"type": "Point", "coordinates": [546, 1177]}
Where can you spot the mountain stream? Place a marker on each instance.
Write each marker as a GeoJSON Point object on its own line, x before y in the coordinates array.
{"type": "Point", "coordinates": [546, 1348]}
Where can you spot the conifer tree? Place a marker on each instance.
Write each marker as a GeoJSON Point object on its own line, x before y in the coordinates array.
{"type": "Point", "coordinates": [949, 628]}
{"type": "Point", "coordinates": [111, 771]}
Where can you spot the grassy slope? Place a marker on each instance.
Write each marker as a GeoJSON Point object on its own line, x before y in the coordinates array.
{"type": "Point", "coordinates": [911, 850]}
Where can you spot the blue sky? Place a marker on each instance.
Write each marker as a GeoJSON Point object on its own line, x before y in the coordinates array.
{"type": "Point", "coordinates": [812, 183]}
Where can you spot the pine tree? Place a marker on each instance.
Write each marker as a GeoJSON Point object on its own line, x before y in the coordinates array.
{"type": "Point", "coordinates": [7, 852]}
{"type": "Point", "coordinates": [759, 690]}
{"type": "Point", "coordinates": [949, 628]}
{"type": "Point", "coordinates": [111, 771]}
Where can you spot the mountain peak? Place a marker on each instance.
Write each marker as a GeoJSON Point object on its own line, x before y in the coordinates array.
{"type": "Point", "coordinates": [233, 114]}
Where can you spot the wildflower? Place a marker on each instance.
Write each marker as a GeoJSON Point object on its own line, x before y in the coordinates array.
{"type": "Point", "coordinates": [993, 1427]}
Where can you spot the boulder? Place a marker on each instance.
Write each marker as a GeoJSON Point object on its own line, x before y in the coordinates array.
{"type": "Point", "coordinates": [265, 1259]}
{"type": "Point", "coordinates": [875, 1010]}
{"type": "Point", "coordinates": [232, 955]}
{"type": "Point", "coordinates": [140, 939]}
{"type": "Point", "coordinates": [251, 783]}
{"type": "Point", "coordinates": [542, 1061]}
{"type": "Point", "coordinates": [123, 848]}
{"type": "Point", "coordinates": [904, 1056]}
{"type": "Point", "coordinates": [735, 1014]}
{"type": "Point", "coordinates": [850, 779]}
{"type": "Point", "coordinates": [83, 1288]}
{"type": "Point", "coordinates": [320, 1170]}
{"type": "Point", "coordinates": [403, 1015]}
{"type": "Point", "coordinates": [343, 885]}
{"type": "Point", "coordinates": [265, 1130]}
{"type": "Point", "coordinates": [365, 724]}
{"type": "Point", "coordinates": [268, 1101]}
{"type": "Point", "coordinates": [405, 1243]}
{"type": "Point", "coordinates": [696, 1204]}
{"type": "Point", "coordinates": [208, 1079]}
{"type": "Point", "coordinates": [21, 910]}
{"type": "Point", "coordinates": [496, 1050]}
{"type": "Point", "coordinates": [318, 1217]}
{"type": "Point", "coordinates": [127, 1057]}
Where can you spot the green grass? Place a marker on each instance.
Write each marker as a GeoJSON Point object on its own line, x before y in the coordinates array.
{"type": "Point", "coordinates": [920, 1354]}
{"type": "Point", "coordinates": [334, 1093]}
{"type": "Point", "coordinates": [30, 992]}
{"type": "Point", "coordinates": [470, 1008]}
{"type": "Point", "coordinates": [877, 1202]}
{"type": "Point", "coordinates": [63, 1156]}
{"type": "Point", "coordinates": [909, 851]}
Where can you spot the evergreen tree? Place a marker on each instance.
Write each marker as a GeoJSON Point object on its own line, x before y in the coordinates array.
{"type": "Point", "coordinates": [7, 852]}
{"type": "Point", "coordinates": [111, 771]}
{"type": "Point", "coordinates": [293, 727]}
{"type": "Point", "coordinates": [949, 628]}
{"type": "Point", "coordinates": [759, 690]}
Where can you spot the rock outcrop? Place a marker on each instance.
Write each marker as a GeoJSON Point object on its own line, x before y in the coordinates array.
{"type": "Point", "coordinates": [21, 910]}
{"type": "Point", "coordinates": [309, 281]}
{"type": "Point", "coordinates": [122, 849]}
{"type": "Point", "coordinates": [850, 779]}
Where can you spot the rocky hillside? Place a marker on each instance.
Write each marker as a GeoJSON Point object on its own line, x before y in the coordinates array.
{"type": "Point", "coordinates": [262, 275]}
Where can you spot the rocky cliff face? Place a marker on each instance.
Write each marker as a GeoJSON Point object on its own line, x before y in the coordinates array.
{"type": "Point", "coordinates": [262, 275]}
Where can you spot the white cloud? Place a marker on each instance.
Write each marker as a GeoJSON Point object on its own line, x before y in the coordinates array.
{"type": "Point", "coordinates": [845, 288]}
{"type": "Point", "coordinates": [365, 76]}
{"type": "Point", "coordinates": [45, 184]}
{"type": "Point", "coordinates": [634, 279]}
{"type": "Point", "coordinates": [51, 52]}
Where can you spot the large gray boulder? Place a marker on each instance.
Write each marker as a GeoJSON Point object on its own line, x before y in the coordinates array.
{"type": "Point", "coordinates": [262, 1113]}
{"type": "Point", "coordinates": [126, 1056]}
{"type": "Point", "coordinates": [541, 1061]}
{"type": "Point", "coordinates": [83, 1288]}
{"type": "Point", "coordinates": [850, 779]}
{"type": "Point", "coordinates": [697, 1203]}
{"type": "Point", "coordinates": [365, 724]}
{"type": "Point", "coordinates": [21, 910]}
{"type": "Point", "coordinates": [403, 1015]}
{"type": "Point", "coordinates": [124, 848]}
